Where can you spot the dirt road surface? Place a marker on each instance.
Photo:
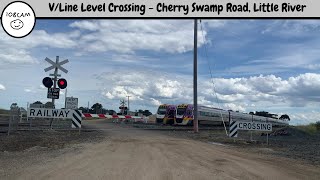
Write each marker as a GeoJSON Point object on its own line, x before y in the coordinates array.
{"type": "Point", "coordinates": [148, 155]}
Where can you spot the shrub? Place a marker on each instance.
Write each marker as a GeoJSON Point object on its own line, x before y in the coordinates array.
{"type": "Point", "coordinates": [310, 128]}
{"type": "Point", "coordinates": [318, 126]}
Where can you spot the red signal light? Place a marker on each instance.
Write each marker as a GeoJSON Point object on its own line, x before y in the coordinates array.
{"type": "Point", "coordinates": [62, 83]}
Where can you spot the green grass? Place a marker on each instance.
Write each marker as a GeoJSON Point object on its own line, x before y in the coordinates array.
{"type": "Point", "coordinates": [310, 128]}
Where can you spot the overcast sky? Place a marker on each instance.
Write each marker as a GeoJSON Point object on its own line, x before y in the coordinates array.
{"type": "Point", "coordinates": [256, 64]}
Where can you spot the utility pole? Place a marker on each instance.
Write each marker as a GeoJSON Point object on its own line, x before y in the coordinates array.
{"type": "Point", "coordinates": [55, 74]}
{"type": "Point", "coordinates": [65, 99]}
{"type": "Point", "coordinates": [55, 65]}
{"type": "Point", "coordinates": [122, 105]}
{"type": "Point", "coordinates": [195, 80]}
{"type": "Point", "coordinates": [128, 105]}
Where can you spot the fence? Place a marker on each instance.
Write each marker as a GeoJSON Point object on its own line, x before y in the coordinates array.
{"type": "Point", "coordinates": [10, 122]}
{"type": "Point", "coordinates": [14, 120]}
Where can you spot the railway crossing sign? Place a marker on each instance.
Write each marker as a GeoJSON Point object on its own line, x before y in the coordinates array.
{"type": "Point", "coordinates": [71, 103]}
{"type": "Point", "coordinates": [248, 126]}
{"type": "Point", "coordinates": [254, 126]}
{"type": "Point", "coordinates": [57, 65]}
{"type": "Point", "coordinates": [53, 93]}
{"type": "Point", "coordinates": [75, 115]}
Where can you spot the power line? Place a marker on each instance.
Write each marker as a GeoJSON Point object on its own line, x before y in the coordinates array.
{"type": "Point", "coordinates": [210, 70]}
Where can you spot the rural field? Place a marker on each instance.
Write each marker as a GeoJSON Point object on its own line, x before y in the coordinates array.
{"type": "Point", "coordinates": [105, 150]}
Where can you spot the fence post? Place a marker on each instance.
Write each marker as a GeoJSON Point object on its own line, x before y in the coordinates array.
{"type": "Point", "coordinates": [30, 124]}
{"type": "Point", "coordinates": [10, 119]}
{"type": "Point", "coordinates": [251, 131]}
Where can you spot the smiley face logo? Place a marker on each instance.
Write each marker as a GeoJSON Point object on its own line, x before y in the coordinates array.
{"type": "Point", "coordinates": [16, 24]}
{"type": "Point", "coordinates": [18, 19]}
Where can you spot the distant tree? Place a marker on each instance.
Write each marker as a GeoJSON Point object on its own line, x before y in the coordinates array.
{"type": "Point", "coordinates": [104, 111]}
{"type": "Point", "coordinates": [146, 113]}
{"type": "Point", "coordinates": [96, 108]}
{"type": "Point", "coordinates": [37, 102]}
{"type": "Point", "coordinates": [318, 125]}
{"type": "Point", "coordinates": [264, 114]}
{"type": "Point", "coordinates": [84, 109]}
{"type": "Point", "coordinates": [112, 112]}
{"type": "Point", "coordinates": [285, 117]}
{"type": "Point", "coordinates": [48, 104]}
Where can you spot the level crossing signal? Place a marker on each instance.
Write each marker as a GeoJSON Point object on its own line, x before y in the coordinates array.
{"type": "Point", "coordinates": [62, 83]}
{"type": "Point", "coordinates": [47, 82]}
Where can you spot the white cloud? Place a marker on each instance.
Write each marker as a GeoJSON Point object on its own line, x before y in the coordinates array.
{"type": "Point", "coordinates": [2, 87]}
{"type": "Point", "coordinates": [305, 117]}
{"type": "Point", "coordinates": [216, 23]}
{"type": "Point", "coordinates": [120, 37]}
{"type": "Point", "coordinates": [37, 89]}
{"type": "Point", "coordinates": [313, 66]}
{"type": "Point", "coordinates": [155, 102]}
{"type": "Point", "coordinates": [292, 28]}
{"type": "Point", "coordinates": [18, 51]}
{"type": "Point", "coordinates": [109, 95]}
{"type": "Point", "coordinates": [234, 107]}
{"type": "Point", "coordinates": [27, 90]}
{"type": "Point", "coordinates": [128, 36]}
{"type": "Point", "coordinates": [238, 94]}
{"type": "Point", "coordinates": [16, 56]}
{"type": "Point", "coordinates": [53, 40]}
{"type": "Point", "coordinates": [291, 45]}
{"type": "Point", "coordinates": [283, 58]}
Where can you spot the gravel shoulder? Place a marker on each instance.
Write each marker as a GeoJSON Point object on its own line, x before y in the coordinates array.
{"type": "Point", "coordinates": [120, 151]}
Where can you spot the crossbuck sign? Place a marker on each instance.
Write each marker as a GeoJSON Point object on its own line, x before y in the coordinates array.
{"type": "Point", "coordinates": [56, 65]}
{"type": "Point", "coordinates": [75, 115]}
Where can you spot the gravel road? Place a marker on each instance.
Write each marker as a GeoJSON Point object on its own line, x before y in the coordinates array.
{"type": "Point", "coordinates": [128, 153]}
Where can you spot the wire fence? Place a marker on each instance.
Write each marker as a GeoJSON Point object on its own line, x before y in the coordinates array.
{"type": "Point", "coordinates": [14, 120]}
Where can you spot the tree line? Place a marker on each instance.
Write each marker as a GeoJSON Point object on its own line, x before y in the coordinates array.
{"type": "Point", "coordinates": [97, 108]}
{"type": "Point", "coordinates": [270, 115]}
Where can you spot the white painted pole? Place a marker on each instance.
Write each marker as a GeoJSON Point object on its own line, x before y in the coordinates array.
{"type": "Point", "coordinates": [65, 98]}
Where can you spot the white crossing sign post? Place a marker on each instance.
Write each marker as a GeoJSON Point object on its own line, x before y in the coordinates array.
{"type": "Point", "coordinates": [233, 129]}
{"type": "Point", "coordinates": [76, 119]}
{"type": "Point", "coordinates": [75, 115]}
{"type": "Point", "coordinates": [71, 103]}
